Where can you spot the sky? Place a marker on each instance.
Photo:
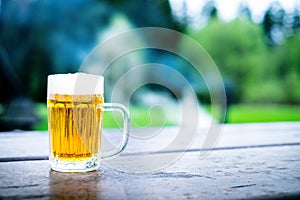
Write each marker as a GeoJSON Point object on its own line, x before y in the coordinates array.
{"type": "Point", "coordinates": [227, 9]}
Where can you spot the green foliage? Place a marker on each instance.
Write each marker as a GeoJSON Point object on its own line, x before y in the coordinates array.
{"type": "Point", "coordinates": [288, 68]}
{"type": "Point", "coordinates": [259, 73]}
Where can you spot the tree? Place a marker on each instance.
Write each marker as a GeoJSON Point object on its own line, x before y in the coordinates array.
{"type": "Point", "coordinates": [240, 53]}
{"type": "Point", "coordinates": [296, 20]}
{"type": "Point", "coordinates": [244, 11]}
{"type": "Point", "coordinates": [288, 70]}
{"type": "Point", "coordinates": [273, 24]}
{"type": "Point", "coordinates": [42, 37]}
{"type": "Point", "coordinates": [154, 13]}
{"type": "Point", "coordinates": [209, 10]}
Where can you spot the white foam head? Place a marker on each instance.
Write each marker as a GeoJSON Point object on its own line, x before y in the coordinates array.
{"type": "Point", "coordinates": [75, 84]}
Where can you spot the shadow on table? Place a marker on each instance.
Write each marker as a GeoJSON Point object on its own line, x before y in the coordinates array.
{"type": "Point", "coordinates": [75, 185]}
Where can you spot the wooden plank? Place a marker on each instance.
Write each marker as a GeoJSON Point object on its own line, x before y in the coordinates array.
{"type": "Point", "coordinates": [226, 174]}
{"type": "Point", "coordinates": [24, 144]}
{"type": "Point", "coordinates": [35, 144]}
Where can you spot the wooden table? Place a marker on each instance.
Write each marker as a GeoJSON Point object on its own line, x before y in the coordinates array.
{"type": "Point", "coordinates": [255, 161]}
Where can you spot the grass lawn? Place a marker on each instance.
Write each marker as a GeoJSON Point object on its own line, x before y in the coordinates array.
{"type": "Point", "coordinates": [239, 113]}
{"type": "Point", "coordinates": [243, 113]}
{"type": "Point", "coordinates": [140, 117]}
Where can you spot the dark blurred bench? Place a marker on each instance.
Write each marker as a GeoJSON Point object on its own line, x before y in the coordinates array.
{"type": "Point", "coordinates": [18, 109]}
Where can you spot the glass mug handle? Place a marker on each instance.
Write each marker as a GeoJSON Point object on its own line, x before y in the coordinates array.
{"type": "Point", "coordinates": [126, 126]}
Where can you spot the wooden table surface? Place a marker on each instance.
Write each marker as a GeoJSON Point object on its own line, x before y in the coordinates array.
{"type": "Point", "coordinates": [250, 161]}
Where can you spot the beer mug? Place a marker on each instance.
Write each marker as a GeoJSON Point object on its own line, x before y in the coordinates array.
{"type": "Point", "coordinates": [75, 105]}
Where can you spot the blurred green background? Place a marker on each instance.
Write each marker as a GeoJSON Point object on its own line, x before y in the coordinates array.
{"type": "Point", "coordinates": [258, 55]}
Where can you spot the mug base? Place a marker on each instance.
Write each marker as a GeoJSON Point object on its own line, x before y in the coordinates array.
{"type": "Point", "coordinates": [79, 166]}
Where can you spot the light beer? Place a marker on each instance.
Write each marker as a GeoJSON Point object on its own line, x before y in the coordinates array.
{"type": "Point", "coordinates": [75, 107]}
{"type": "Point", "coordinates": [75, 126]}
